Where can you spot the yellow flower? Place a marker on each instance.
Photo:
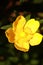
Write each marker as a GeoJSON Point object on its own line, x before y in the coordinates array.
{"type": "Point", "coordinates": [23, 34]}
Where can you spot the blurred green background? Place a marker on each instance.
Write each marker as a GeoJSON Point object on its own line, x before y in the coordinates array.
{"type": "Point", "coordinates": [9, 10]}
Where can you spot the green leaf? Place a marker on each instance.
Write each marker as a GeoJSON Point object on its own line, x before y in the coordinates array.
{"type": "Point", "coordinates": [41, 20]}
{"type": "Point", "coordinates": [28, 17]}
{"type": "Point", "coordinates": [6, 27]}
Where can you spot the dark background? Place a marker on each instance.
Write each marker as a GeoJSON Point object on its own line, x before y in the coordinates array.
{"type": "Point", "coordinates": [9, 10]}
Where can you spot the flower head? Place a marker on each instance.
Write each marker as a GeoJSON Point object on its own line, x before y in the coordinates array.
{"type": "Point", "coordinates": [23, 34]}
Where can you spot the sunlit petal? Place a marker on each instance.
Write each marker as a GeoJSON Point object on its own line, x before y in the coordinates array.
{"type": "Point", "coordinates": [22, 46]}
{"type": "Point", "coordinates": [19, 23]}
{"type": "Point", "coordinates": [31, 26]}
{"type": "Point", "coordinates": [36, 40]}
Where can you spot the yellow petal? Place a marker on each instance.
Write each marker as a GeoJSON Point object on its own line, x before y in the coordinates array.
{"type": "Point", "coordinates": [36, 40]}
{"type": "Point", "coordinates": [20, 35]}
{"type": "Point", "coordinates": [31, 26]}
{"type": "Point", "coordinates": [10, 35]}
{"type": "Point", "coordinates": [16, 22]}
{"type": "Point", "coordinates": [28, 37]}
{"type": "Point", "coordinates": [22, 46]}
{"type": "Point", "coordinates": [19, 23]}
